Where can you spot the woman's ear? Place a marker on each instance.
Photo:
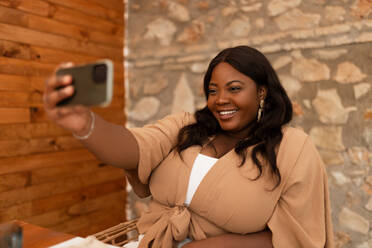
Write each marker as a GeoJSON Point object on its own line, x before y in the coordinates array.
{"type": "Point", "coordinates": [262, 92]}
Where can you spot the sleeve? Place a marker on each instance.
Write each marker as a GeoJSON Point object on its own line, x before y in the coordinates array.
{"type": "Point", "coordinates": [155, 141]}
{"type": "Point", "coordinates": [301, 217]}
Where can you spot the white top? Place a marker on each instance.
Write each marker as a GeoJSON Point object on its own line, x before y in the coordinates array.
{"type": "Point", "coordinates": [200, 168]}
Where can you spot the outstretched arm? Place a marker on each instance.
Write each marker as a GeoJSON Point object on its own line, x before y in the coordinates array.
{"type": "Point", "coordinates": [113, 144]}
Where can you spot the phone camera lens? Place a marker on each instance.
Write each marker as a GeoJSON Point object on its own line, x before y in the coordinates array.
{"type": "Point", "coordinates": [99, 73]}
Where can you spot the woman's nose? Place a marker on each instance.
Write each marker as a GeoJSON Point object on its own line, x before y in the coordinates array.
{"type": "Point", "coordinates": [222, 98]}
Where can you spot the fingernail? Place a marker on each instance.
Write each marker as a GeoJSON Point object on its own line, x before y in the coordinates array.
{"type": "Point", "coordinates": [69, 89]}
{"type": "Point", "coordinates": [67, 79]}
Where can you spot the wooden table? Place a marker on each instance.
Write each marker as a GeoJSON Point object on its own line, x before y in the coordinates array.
{"type": "Point", "coordinates": [39, 237]}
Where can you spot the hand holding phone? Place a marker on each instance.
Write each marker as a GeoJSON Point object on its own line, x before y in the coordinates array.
{"type": "Point", "coordinates": [93, 84]}
{"type": "Point", "coordinates": [67, 98]}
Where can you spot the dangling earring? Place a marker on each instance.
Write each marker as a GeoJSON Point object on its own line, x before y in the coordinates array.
{"type": "Point", "coordinates": [260, 110]}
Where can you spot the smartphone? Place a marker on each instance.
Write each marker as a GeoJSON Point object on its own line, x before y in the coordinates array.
{"type": "Point", "coordinates": [93, 84]}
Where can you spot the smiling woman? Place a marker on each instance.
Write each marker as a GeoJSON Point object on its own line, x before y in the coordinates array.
{"type": "Point", "coordinates": [234, 174]}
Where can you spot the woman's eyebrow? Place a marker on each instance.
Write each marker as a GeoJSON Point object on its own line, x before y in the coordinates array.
{"type": "Point", "coordinates": [234, 81]}
{"type": "Point", "coordinates": [228, 83]}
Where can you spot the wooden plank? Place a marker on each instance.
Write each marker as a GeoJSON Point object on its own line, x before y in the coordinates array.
{"type": "Point", "coordinates": [37, 72]}
{"type": "Point", "coordinates": [49, 218]}
{"type": "Point", "coordinates": [14, 181]}
{"type": "Point", "coordinates": [72, 16]}
{"type": "Point", "coordinates": [11, 148]}
{"type": "Point", "coordinates": [66, 15]}
{"type": "Point", "coordinates": [24, 67]}
{"type": "Point", "coordinates": [32, 162]}
{"type": "Point", "coordinates": [59, 201]}
{"type": "Point", "coordinates": [30, 131]}
{"type": "Point", "coordinates": [98, 227]}
{"type": "Point", "coordinates": [14, 83]}
{"type": "Point", "coordinates": [22, 195]}
{"type": "Point", "coordinates": [35, 6]}
{"type": "Point", "coordinates": [20, 34]}
{"type": "Point", "coordinates": [14, 99]}
{"type": "Point", "coordinates": [43, 24]}
{"type": "Point", "coordinates": [91, 8]}
{"type": "Point", "coordinates": [81, 222]}
{"type": "Point", "coordinates": [52, 57]}
{"type": "Point", "coordinates": [111, 4]}
{"type": "Point", "coordinates": [55, 173]}
{"type": "Point", "coordinates": [114, 113]}
{"type": "Point", "coordinates": [14, 115]}
{"type": "Point", "coordinates": [14, 50]}
{"type": "Point", "coordinates": [92, 205]}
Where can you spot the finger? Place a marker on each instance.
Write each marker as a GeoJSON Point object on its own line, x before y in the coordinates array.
{"type": "Point", "coordinates": [51, 99]}
{"type": "Point", "coordinates": [64, 65]}
{"type": "Point", "coordinates": [56, 81]}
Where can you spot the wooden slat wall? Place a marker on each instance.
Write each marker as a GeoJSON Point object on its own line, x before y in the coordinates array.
{"type": "Point", "coordinates": [47, 177]}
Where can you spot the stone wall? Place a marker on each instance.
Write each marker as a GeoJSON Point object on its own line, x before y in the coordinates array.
{"type": "Point", "coordinates": [322, 52]}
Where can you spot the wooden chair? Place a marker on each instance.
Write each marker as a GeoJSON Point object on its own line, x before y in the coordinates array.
{"type": "Point", "coordinates": [120, 234]}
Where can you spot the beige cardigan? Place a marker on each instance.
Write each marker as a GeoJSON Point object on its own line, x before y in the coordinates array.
{"type": "Point", "coordinates": [297, 212]}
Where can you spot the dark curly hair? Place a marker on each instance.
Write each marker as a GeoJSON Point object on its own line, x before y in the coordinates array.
{"type": "Point", "coordinates": [264, 135]}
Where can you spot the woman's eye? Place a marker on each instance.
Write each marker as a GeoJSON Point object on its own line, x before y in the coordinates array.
{"type": "Point", "coordinates": [235, 88]}
{"type": "Point", "coordinates": [211, 91]}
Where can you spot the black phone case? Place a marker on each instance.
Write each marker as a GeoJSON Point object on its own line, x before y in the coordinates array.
{"type": "Point", "coordinates": [88, 91]}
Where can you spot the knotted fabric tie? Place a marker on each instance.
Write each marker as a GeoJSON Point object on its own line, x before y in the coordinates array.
{"type": "Point", "coordinates": [166, 226]}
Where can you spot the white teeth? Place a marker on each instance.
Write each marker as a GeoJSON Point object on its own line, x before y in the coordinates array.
{"type": "Point", "coordinates": [227, 112]}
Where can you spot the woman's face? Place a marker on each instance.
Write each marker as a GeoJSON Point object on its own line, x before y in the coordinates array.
{"type": "Point", "coordinates": [233, 99]}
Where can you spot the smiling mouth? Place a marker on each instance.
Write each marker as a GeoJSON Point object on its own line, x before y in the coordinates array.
{"type": "Point", "coordinates": [226, 114]}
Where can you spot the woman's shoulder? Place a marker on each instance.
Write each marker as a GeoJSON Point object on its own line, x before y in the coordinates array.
{"type": "Point", "coordinates": [180, 118]}
{"type": "Point", "coordinates": [297, 150]}
{"type": "Point", "coordinates": [293, 135]}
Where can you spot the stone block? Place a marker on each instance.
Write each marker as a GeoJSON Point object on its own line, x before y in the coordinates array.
{"type": "Point", "coordinates": [358, 155]}
{"type": "Point", "coordinates": [362, 8]}
{"type": "Point", "coordinates": [282, 61]}
{"type": "Point", "coordinates": [162, 30]}
{"type": "Point", "coordinates": [310, 70]}
{"type": "Point", "coordinates": [251, 8]}
{"type": "Point", "coordinates": [327, 104]}
{"type": "Point", "coordinates": [183, 97]}
{"type": "Point", "coordinates": [353, 221]}
{"type": "Point", "coordinates": [277, 7]}
{"type": "Point", "coordinates": [334, 14]}
{"type": "Point", "coordinates": [328, 137]}
{"type": "Point", "coordinates": [202, 48]}
{"type": "Point", "coordinates": [178, 12]}
{"type": "Point", "coordinates": [193, 33]}
{"type": "Point", "coordinates": [146, 63]}
{"type": "Point", "coordinates": [339, 40]}
{"type": "Point", "coordinates": [145, 109]}
{"type": "Point", "coordinates": [364, 37]}
{"type": "Point", "coordinates": [331, 158]}
{"type": "Point", "coordinates": [368, 206]}
{"type": "Point", "coordinates": [199, 67]}
{"type": "Point", "coordinates": [329, 54]}
{"type": "Point", "coordinates": [271, 48]}
{"type": "Point", "coordinates": [290, 84]}
{"type": "Point", "coordinates": [229, 10]}
{"type": "Point", "coordinates": [239, 27]}
{"type": "Point", "coordinates": [156, 85]}
{"type": "Point", "coordinates": [347, 72]}
{"type": "Point", "coordinates": [340, 178]}
{"type": "Point", "coordinates": [296, 19]}
{"type": "Point", "coordinates": [193, 58]}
